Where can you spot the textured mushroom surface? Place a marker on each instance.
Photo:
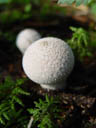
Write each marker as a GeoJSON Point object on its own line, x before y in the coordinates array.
{"type": "Point", "coordinates": [48, 61]}
{"type": "Point", "coordinates": [25, 38]}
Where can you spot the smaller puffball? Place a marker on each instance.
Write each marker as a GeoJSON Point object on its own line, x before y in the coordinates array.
{"type": "Point", "coordinates": [25, 38]}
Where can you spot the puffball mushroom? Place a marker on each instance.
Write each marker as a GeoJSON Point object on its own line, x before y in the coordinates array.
{"type": "Point", "coordinates": [48, 61]}
{"type": "Point", "coordinates": [25, 38]}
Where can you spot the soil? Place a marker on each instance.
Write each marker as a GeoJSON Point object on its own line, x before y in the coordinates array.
{"type": "Point", "coordinates": [79, 97]}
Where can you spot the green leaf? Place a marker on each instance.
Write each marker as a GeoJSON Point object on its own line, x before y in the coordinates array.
{"type": "Point", "coordinates": [43, 111]}
{"type": "Point", "coordinates": [93, 8]}
{"type": "Point", "coordinates": [70, 1]}
{"type": "Point", "coordinates": [30, 110]}
{"type": "Point", "coordinates": [18, 90]}
{"type": "Point", "coordinates": [78, 2]}
{"type": "Point", "coordinates": [6, 116]}
{"type": "Point", "coordinates": [17, 100]}
{"type": "Point", "coordinates": [80, 43]}
{"type": "Point", "coordinates": [4, 1]}
{"type": "Point", "coordinates": [89, 54]}
{"type": "Point", "coordinates": [9, 101]}
{"type": "Point", "coordinates": [47, 99]}
{"type": "Point", "coordinates": [2, 121]}
{"type": "Point", "coordinates": [28, 8]}
{"type": "Point", "coordinates": [61, 1]}
{"type": "Point", "coordinates": [20, 81]}
{"type": "Point", "coordinates": [85, 2]}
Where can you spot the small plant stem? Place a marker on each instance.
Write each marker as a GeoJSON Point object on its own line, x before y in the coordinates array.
{"type": "Point", "coordinates": [30, 122]}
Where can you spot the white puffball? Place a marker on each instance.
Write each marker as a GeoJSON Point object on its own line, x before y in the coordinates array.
{"type": "Point", "coordinates": [25, 38]}
{"type": "Point", "coordinates": [48, 61]}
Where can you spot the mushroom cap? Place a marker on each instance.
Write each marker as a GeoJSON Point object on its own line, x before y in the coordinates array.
{"type": "Point", "coordinates": [48, 61]}
{"type": "Point", "coordinates": [25, 38]}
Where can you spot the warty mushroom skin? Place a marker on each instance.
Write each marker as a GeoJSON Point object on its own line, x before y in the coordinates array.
{"type": "Point", "coordinates": [25, 38]}
{"type": "Point", "coordinates": [48, 61]}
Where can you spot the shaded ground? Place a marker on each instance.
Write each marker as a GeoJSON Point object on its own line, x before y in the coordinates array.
{"type": "Point", "coordinates": [79, 98]}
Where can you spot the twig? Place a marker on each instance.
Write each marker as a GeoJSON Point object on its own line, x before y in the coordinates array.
{"type": "Point", "coordinates": [30, 122]}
